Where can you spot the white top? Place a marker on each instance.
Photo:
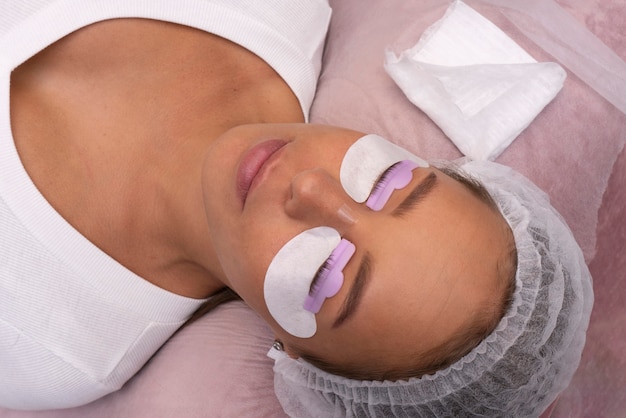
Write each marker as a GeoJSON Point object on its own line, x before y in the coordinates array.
{"type": "Point", "coordinates": [75, 324]}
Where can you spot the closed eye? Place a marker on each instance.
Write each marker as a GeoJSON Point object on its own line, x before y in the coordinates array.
{"type": "Point", "coordinates": [320, 272]}
{"type": "Point", "coordinates": [396, 177]}
{"type": "Point", "coordinates": [384, 178]}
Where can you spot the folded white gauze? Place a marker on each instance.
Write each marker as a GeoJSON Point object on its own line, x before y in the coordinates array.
{"type": "Point", "coordinates": [474, 82]}
{"type": "Point", "coordinates": [289, 277]}
{"type": "Point", "coordinates": [366, 160]}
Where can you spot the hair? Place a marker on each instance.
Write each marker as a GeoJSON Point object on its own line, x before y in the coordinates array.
{"type": "Point", "coordinates": [222, 296]}
{"type": "Point", "coordinates": [484, 322]}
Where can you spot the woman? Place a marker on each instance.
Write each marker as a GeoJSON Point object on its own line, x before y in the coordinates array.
{"type": "Point", "coordinates": [171, 163]}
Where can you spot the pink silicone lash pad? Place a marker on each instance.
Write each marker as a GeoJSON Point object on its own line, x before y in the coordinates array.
{"type": "Point", "coordinates": [331, 276]}
{"type": "Point", "coordinates": [396, 177]}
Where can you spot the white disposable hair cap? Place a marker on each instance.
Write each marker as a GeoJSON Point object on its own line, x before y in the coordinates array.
{"type": "Point", "coordinates": [518, 370]}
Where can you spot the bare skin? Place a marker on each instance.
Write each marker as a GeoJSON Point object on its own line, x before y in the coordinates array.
{"type": "Point", "coordinates": [111, 124]}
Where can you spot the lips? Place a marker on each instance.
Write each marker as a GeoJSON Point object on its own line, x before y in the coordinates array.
{"type": "Point", "coordinates": [253, 163]}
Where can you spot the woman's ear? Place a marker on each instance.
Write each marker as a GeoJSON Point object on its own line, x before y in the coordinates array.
{"type": "Point", "coordinates": [278, 345]}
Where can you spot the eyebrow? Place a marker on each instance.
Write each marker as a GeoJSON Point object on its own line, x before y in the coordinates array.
{"type": "Point", "coordinates": [363, 275]}
{"type": "Point", "coordinates": [419, 192]}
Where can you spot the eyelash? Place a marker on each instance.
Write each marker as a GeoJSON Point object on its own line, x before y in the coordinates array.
{"type": "Point", "coordinates": [323, 268]}
{"type": "Point", "coordinates": [382, 180]}
{"type": "Point", "coordinates": [380, 184]}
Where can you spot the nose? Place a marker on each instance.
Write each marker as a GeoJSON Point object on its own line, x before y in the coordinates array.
{"type": "Point", "coordinates": [319, 199]}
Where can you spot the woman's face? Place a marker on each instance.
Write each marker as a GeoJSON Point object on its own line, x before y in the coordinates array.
{"type": "Point", "coordinates": [415, 279]}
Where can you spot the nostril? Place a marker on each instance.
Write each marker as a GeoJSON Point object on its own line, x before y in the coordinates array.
{"type": "Point", "coordinates": [311, 184]}
{"type": "Point", "coordinates": [302, 195]}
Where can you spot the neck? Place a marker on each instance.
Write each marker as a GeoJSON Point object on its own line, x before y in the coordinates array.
{"type": "Point", "coordinates": [194, 269]}
{"type": "Point", "coordinates": [126, 169]}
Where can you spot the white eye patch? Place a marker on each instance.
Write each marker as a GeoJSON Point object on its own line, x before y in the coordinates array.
{"type": "Point", "coordinates": [366, 160]}
{"type": "Point", "coordinates": [289, 276]}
